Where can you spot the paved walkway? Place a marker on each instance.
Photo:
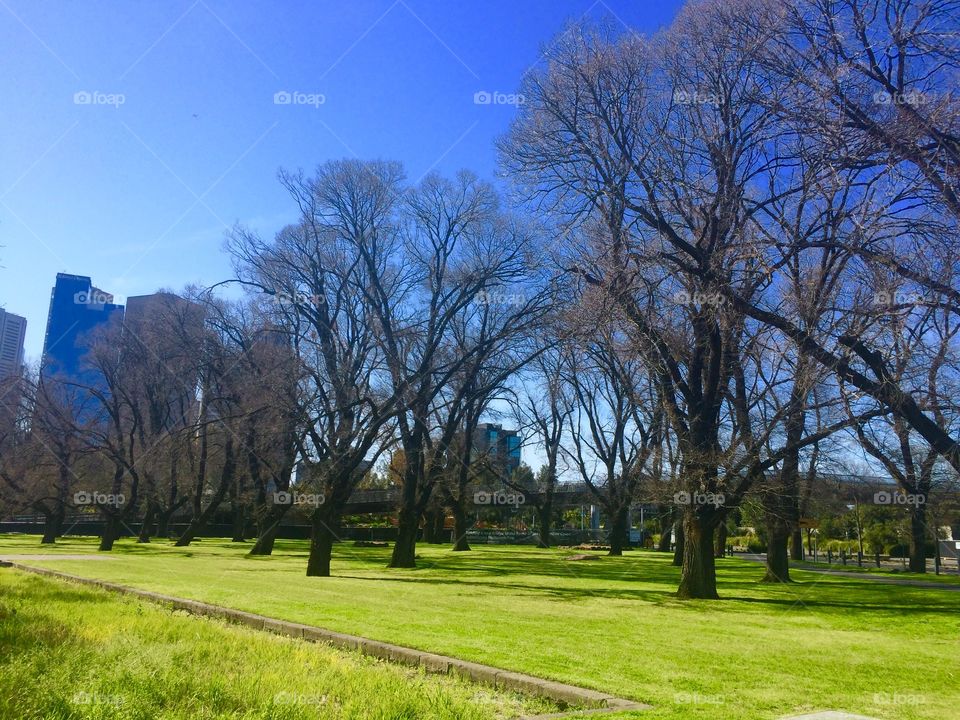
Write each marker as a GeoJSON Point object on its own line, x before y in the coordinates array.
{"type": "Point", "coordinates": [52, 556]}
{"type": "Point", "coordinates": [828, 715]}
{"type": "Point", "coordinates": [865, 575]}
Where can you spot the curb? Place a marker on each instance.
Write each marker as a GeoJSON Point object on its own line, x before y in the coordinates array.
{"type": "Point", "coordinates": [592, 700]}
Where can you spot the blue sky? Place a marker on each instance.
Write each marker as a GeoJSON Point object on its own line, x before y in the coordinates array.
{"type": "Point", "coordinates": [132, 134]}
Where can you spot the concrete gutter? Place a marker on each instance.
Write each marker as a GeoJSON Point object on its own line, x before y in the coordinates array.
{"type": "Point", "coordinates": [591, 701]}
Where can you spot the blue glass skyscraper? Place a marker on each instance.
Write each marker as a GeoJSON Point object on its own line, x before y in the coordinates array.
{"type": "Point", "coordinates": [77, 308]}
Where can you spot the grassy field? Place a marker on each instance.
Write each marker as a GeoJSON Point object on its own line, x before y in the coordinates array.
{"type": "Point", "coordinates": [764, 651]}
{"type": "Point", "coordinates": [72, 652]}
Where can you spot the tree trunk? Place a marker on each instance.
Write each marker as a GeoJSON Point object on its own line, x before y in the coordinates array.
{"type": "Point", "coordinates": [321, 542]}
{"type": "Point", "coordinates": [433, 525]}
{"type": "Point", "coordinates": [265, 541]}
{"type": "Point", "coordinates": [618, 530]}
{"type": "Point", "coordinates": [698, 578]}
{"type": "Point", "coordinates": [796, 545]}
{"type": "Point", "coordinates": [408, 515]}
{"type": "Point", "coordinates": [271, 525]}
{"type": "Point", "coordinates": [666, 526]}
{"type": "Point", "coordinates": [720, 541]}
{"type": "Point", "coordinates": [678, 548]}
{"type": "Point", "coordinates": [239, 522]}
{"type": "Point", "coordinates": [545, 518]}
{"type": "Point", "coordinates": [111, 529]}
{"type": "Point", "coordinates": [189, 533]}
{"type": "Point", "coordinates": [778, 561]}
{"type": "Point", "coordinates": [918, 539]}
{"type": "Point", "coordinates": [460, 527]}
{"type": "Point", "coordinates": [405, 549]}
{"type": "Point", "coordinates": [148, 518]}
{"type": "Point", "coordinates": [52, 525]}
{"type": "Point", "coordinates": [163, 523]}
{"type": "Point", "coordinates": [440, 519]}
{"type": "Point", "coordinates": [199, 521]}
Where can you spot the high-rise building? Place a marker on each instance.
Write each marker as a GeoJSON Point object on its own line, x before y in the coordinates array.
{"type": "Point", "coordinates": [499, 445]}
{"type": "Point", "coordinates": [168, 317]}
{"type": "Point", "coordinates": [13, 328]}
{"type": "Point", "coordinates": [76, 309]}
{"type": "Point", "coordinates": [163, 332]}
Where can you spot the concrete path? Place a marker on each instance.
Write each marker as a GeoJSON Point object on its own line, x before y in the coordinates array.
{"type": "Point", "coordinates": [828, 715]}
{"type": "Point", "coordinates": [52, 556]}
{"type": "Point", "coordinates": [865, 576]}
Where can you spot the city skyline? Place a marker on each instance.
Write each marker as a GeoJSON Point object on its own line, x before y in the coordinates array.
{"type": "Point", "coordinates": [148, 170]}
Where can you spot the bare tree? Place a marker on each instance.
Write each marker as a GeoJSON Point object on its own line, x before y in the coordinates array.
{"type": "Point", "coordinates": [319, 274]}
{"type": "Point", "coordinates": [616, 425]}
{"type": "Point", "coordinates": [455, 248]}
{"type": "Point", "coordinates": [649, 146]}
{"type": "Point", "coordinates": [543, 410]}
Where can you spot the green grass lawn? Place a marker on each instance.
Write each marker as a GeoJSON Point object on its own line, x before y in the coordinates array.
{"type": "Point", "coordinates": [73, 652]}
{"type": "Point", "coordinates": [824, 642]}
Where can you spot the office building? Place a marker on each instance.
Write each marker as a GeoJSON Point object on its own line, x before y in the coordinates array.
{"type": "Point", "coordinates": [13, 329]}
{"type": "Point", "coordinates": [501, 446]}
{"type": "Point", "coordinates": [77, 309]}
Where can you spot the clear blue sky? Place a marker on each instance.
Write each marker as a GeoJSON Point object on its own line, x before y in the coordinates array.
{"type": "Point", "coordinates": [182, 136]}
